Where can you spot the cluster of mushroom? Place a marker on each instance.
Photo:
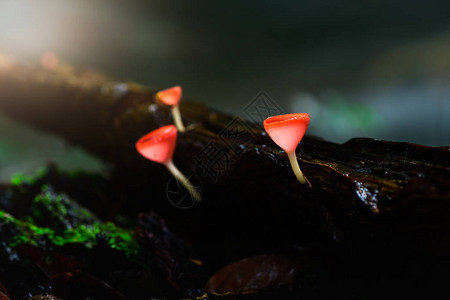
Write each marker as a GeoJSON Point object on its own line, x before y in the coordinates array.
{"type": "Point", "coordinates": [159, 145]}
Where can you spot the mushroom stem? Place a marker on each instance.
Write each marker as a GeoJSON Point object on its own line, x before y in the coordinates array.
{"type": "Point", "coordinates": [177, 118]}
{"type": "Point", "coordinates": [184, 181]}
{"type": "Point", "coordinates": [296, 168]}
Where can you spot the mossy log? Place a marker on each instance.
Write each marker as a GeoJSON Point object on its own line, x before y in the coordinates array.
{"type": "Point", "coordinates": [377, 200]}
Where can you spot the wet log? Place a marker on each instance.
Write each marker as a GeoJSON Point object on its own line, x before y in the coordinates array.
{"type": "Point", "coordinates": [376, 201]}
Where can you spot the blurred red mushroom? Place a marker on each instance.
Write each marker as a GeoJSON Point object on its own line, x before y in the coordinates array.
{"type": "Point", "coordinates": [158, 146]}
{"type": "Point", "coordinates": [49, 60]}
{"type": "Point", "coordinates": [172, 97]}
{"type": "Point", "coordinates": [287, 131]}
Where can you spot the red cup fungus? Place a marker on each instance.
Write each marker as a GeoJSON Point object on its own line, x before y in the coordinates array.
{"type": "Point", "coordinates": [287, 131]}
{"type": "Point", "coordinates": [172, 97]}
{"type": "Point", "coordinates": [158, 146]}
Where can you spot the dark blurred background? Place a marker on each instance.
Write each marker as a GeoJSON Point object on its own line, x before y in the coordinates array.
{"type": "Point", "coordinates": [379, 69]}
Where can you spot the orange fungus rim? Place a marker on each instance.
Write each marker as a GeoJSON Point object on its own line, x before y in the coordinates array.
{"type": "Point", "coordinates": [281, 120]}
{"type": "Point", "coordinates": [170, 96]}
{"type": "Point", "coordinates": [157, 136]}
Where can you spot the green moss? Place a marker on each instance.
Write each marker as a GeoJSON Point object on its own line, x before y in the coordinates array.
{"type": "Point", "coordinates": [88, 235]}
{"type": "Point", "coordinates": [119, 238]}
{"type": "Point", "coordinates": [58, 211]}
{"type": "Point", "coordinates": [28, 233]}
{"type": "Point", "coordinates": [53, 219]}
{"type": "Point", "coordinates": [116, 237]}
{"type": "Point", "coordinates": [53, 202]}
{"type": "Point", "coordinates": [20, 178]}
{"type": "Point", "coordinates": [5, 217]}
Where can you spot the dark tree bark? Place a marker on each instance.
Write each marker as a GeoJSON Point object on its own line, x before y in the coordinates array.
{"type": "Point", "coordinates": [371, 195]}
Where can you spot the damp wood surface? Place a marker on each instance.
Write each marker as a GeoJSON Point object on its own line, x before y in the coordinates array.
{"type": "Point", "coordinates": [371, 201]}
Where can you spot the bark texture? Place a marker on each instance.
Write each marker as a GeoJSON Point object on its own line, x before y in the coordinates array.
{"type": "Point", "coordinates": [382, 200]}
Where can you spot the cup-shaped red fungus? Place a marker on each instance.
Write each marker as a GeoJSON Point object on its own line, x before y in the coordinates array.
{"type": "Point", "coordinates": [287, 131]}
{"type": "Point", "coordinates": [158, 146]}
{"type": "Point", "coordinates": [172, 97]}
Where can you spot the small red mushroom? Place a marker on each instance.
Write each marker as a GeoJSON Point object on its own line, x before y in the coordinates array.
{"type": "Point", "coordinates": [172, 97]}
{"type": "Point", "coordinates": [287, 131]}
{"type": "Point", "coordinates": [159, 146]}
